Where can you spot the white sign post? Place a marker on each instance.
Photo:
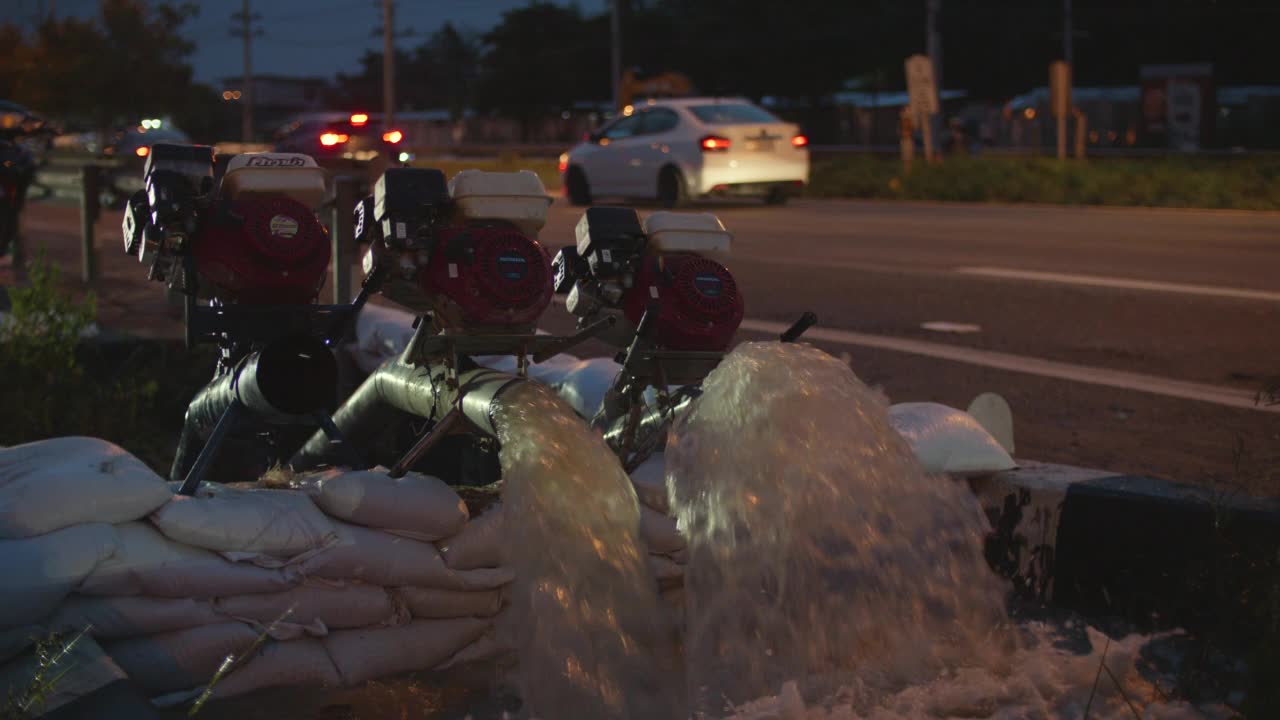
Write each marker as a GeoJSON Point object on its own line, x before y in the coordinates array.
{"type": "Point", "coordinates": [924, 97]}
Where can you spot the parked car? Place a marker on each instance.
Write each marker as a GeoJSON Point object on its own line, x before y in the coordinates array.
{"type": "Point", "coordinates": [354, 136]}
{"type": "Point", "coordinates": [131, 146]}
{"type": "Point", "coordinates": [678, 150]}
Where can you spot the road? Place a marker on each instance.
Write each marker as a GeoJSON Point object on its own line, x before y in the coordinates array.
{"type": "Point", "coordinates": [1128, 339]}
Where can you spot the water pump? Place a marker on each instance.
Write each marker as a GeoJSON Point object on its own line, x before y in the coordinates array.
{"type": "Point", "coordinates": [677, 309]}
{"type": "Point", "coordinates": [464, 257]}
{"type": "Point", "coordinates": [249, 257]}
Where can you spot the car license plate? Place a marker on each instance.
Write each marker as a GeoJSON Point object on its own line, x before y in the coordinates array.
{"type": "Point", "coordinates": [760, 145]}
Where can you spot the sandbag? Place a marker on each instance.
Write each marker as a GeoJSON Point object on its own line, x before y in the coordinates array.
{"type": "Point", "coordinates": [349, 606]}
{"type": "Point", "coordinates": [56, 483]}
{"type": "Point", "coordinates": [434, 603]}
{"type": "Point", "coordinates": [485, 647]}
{"type": "Point", "coordinates": [246, 523]}
{"type": "Point", "coordinates": [480, 543]}
{"type": "Point", "coordinates": [650, 481]}
{"type": "Point", "coordinates": [379, 558]}
{"type": "Point", "coordinates": [585, 384]}
{"type": "Point", "coordinates": [417, 506]}
{"type": "Point", "coordinates": [39, 572]}
{"type": "Point", "coordinates": [947, 440]}
{"type": "Point", "coordinates": [301, 663]}
{"type": "Point", "coordinates": [362, 655]}
{"type": "Point", "coordinates": [382, 333]}
{"type": "Point", "coordinates": [181, 659]}
{"type": "Point", "coordinates": [665, 569]}
{"type": "Point", "coordinates": [147, 563]}
{"type": "Point", "coordinates": [114, 618]}
{"type": "Point", "coordinates": [80, 671]}
{"type": "Point", "coordinates": [659, 532]}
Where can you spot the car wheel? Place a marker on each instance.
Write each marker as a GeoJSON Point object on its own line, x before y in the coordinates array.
{"type": "Point", "coordinates": [576, 187]}
{"type": "Point", "coordinates": [672, 192]}
{"type": "Point", "coordinates": [776, 196]}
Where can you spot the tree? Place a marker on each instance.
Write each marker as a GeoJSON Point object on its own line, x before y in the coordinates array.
{"type": "Point", "coordinates": [541, 59]}
{"type": "Point", "coordinates": [450, 65]}
{"type": "Point", "coordinates": [129, 62]}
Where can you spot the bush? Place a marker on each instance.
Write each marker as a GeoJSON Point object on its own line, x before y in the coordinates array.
{"type": "Point", "coordinates": [60, 381]}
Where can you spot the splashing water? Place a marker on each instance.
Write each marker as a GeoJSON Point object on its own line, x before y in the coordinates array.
{"type": "Point", "coordinates": [831, 577]}
{"type": "Point", "coordinates": [591, 637]}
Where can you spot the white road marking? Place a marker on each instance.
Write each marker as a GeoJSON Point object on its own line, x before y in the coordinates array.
{"type": "Point", "coordinates": [947, 326]}
{"type": "Point", "coordinates": [1121, 283]}
{"type": "Point", "coordinates": [1227, 396]}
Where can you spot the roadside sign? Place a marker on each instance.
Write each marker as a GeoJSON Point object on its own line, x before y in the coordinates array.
{"type": "Point", "coordinates": [1060, 88]}
{"type": "Point", "coordinates": [920, 87]}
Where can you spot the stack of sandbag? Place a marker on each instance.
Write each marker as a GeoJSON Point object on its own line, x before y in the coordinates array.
{"type": "Point", "coordinates": [336, 581]}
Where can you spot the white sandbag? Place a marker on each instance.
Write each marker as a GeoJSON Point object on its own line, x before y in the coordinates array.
{"type": "Point", "coordinates": [181, 659]}
{"type": "Point", "coordinates": [584, 385]}
{"type": "Point", "coordinates": [379, 558]}
{"type": "Point", "coordinates": [277, 523]}
{"type": "Point", "coordinates": [434, 603]}
{"type": "Point", "coordinates": [39, 572]}
{"type": "Point", "coordinates": [362, 655]}
{"type": "Point", "coordinates": [485, 647]}
{"type": "Point", "coordinates": [382, 332]}
{"type": "Point", "coordinates": [417, 506]}
{"type": "Point", "coordinates": [350, 606]}
{"type": "Point", "coordinates": [296, 663]}
{"type": "Point", "coordinates": [147, 563]}
{"type": "Point", "coordinates": [659, 532]}
{"type": "Point", "coordinates": [114, 618]}
{"type": "Point", "coordinates": [479, 545]}
{"type": "Point", "coordinates": [947, 440]}
{"type": "Point", "coordinates": [650, 482]}
{"type": "Point", "coordinates": [80, 668]}
{"type": "Point", "coordinates": [56, 483]}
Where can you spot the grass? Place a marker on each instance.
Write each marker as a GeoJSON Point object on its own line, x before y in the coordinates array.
{"type": "Point", "coordinates": [52, 654]}
{"type": "Point", "coordinates": [1246, 183]}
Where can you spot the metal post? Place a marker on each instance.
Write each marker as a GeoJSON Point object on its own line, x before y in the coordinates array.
{"type": "Point", "coordinates": [342, 237]}
{"type": "Point", "coordinates": [246, 119]}
{"type": "Point", "coordinates": [89, 177]}
{"type": "Point", "coordinates": [388, 64]}
{"type": "Point", "coordinates": [615, 58]}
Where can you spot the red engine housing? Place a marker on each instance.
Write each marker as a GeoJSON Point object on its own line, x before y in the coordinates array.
{"type": "Point", "coordinates": [271, 251]}
{"type": "Point", "coordinates": [699, 305]}
{"type": "Point", "coordinates": [486, 276]}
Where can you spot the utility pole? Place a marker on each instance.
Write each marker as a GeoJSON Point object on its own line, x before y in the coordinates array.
{"type": "Point", "coordinates": [1067, 35]}
{"type": "Point", "coordinates": [933, 41]}
{"type": "Point", "coordinates": [245, 18]}
{"type": "Point", "coordinates": [615, 60]}
{"type": "Point", "coordinates": [388, 64]}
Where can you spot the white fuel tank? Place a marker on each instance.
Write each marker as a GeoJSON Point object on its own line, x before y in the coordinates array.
{"type": "Point", "coordinates": [701, 233]}
{"type": "Point", "coordinates": [515, 197]}
{"type": "Point", "coordinates": [291, 174]}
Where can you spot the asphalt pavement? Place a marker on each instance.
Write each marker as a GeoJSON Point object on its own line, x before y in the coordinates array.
{"type": "Point", "coordinates": [1133, 340]}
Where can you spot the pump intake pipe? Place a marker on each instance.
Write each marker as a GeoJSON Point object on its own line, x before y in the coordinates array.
{"type": "Point", "coordinates": [288, 380]}
{"type": "Point", "coordinates": [401, 386]}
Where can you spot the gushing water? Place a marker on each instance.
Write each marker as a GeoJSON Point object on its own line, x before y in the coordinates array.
{"type": "Point", "coordinates": [830, 577]}
{"type": "Point", "coordinates": [818, 548]}
{"type": "Point", "coordinates": [590, 634]}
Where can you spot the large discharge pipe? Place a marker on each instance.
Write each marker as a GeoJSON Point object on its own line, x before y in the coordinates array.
{"type": "Point", "coordinates": [400, 387]}
{"type": "Point", "coordinates": [276, 384]}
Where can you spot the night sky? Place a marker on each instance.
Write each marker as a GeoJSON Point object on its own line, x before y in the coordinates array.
{"type": "Point", "coordinates": [303, 37]}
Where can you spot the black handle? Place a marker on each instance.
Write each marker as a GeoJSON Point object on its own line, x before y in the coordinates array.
{"type": "Point", "coordinates": [798, 328]}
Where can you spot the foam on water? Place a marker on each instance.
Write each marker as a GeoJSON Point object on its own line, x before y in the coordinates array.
{"type": "Point", "coordinates": [830, 576]}
{"type": "Point", "coordinates": [591, 636]}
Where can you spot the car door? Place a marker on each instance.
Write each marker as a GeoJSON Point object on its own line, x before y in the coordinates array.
{"type": "Point", "coordinates": [658, 126]}
{"type": "Point", "coordinates": [609, 163]}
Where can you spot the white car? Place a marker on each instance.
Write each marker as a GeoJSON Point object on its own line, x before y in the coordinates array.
{"type": "Point", "coordinates": [677, 150]}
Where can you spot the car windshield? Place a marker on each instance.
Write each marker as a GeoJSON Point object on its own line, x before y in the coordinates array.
{"type": "Point", "coordinates": [731, 114]}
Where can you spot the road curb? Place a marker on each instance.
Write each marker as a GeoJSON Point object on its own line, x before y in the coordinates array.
{"type": "Point", "coordinates": [1157, 553]}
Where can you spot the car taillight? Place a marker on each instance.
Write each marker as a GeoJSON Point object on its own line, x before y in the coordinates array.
{"type": "Point", "coordinates": [393, 137]}
{"type": "Point", "coordinates": [359, 119]}
{"type": "Point", "coordinates": [713, 143]}
{"type": "Point", "coordinates": [330, 139]}
{"type": "Point", "coordinates": [142, 151]}
{"type": "Point", "coordinates": [799, 141]}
